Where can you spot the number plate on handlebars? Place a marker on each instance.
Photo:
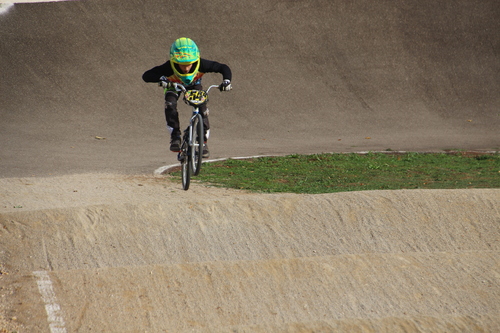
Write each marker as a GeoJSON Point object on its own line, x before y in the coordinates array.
{"type": "Point", "coordinates": [195, 97]}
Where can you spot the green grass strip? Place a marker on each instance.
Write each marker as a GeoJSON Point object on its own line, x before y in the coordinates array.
{"type": "Point", "coordinates": [327, 173]}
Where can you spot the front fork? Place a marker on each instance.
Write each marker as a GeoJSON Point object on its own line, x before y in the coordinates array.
{"type": "Point", "coordinates": [188, 140]}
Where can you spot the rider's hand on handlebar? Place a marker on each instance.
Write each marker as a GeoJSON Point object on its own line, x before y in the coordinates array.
{"type": "Point", "coordinates": [165, 83]}
{"type": "Point", "coordinates": [225, 85]}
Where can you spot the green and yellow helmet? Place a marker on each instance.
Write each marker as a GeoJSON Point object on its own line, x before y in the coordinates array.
{"type": "Point", "coordinates": [185, 52]}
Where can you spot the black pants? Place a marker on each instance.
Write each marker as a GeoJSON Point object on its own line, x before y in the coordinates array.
{"type": "Point", "coordinates": [172, 116]}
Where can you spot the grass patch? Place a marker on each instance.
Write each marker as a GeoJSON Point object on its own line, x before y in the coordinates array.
{"type": "Point", "coordinates": [326, 173]}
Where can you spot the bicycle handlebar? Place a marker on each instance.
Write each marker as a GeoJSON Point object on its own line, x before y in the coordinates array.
{"type": "Point", "coordinates": [180, 87]}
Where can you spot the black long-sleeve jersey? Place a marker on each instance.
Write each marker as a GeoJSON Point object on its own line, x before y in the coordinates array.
{"type": "Point", "coordinates": [206, 66]}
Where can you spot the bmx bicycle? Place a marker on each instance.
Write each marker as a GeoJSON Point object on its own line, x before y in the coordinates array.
{"type": "Point", "coordinates": [191, 151]}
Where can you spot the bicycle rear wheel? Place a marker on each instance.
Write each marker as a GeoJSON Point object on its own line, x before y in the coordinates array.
{"type": "Point", "coordinates": [197, 148]}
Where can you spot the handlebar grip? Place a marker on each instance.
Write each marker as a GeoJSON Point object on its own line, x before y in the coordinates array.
{"type": "Point", "coordinates": [179, 87]}
{"type": "Point", "coordinates": [175, 85]}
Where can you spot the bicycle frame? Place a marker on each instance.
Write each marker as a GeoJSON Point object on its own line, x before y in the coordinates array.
{"type": "Point", "coordinates": [200, 97]}
{"type": "Point", "coordinates": [190, 155]}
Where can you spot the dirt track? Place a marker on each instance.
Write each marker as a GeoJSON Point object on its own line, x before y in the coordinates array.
{"type": "Point", "coordinates": [90, 240]}
{"type": "Point", "coordinates": [309, 77]}
{"type": "Point", "coordinates": [138, 254]}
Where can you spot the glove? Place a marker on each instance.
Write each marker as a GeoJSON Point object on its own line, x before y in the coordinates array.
{"type": "Point", "coordinates": [225, 85]}
{"type": "Point", "coordinates": [165, 83]}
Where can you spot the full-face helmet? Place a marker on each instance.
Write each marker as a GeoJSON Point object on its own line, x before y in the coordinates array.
{"type": "Point", "coordinates": [185, 52]}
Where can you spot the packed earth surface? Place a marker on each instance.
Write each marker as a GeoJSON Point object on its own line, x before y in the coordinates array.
{"type": "Point", "coordinates": [94, 237]}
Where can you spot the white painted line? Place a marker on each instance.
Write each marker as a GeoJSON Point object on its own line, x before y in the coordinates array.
{"type": "Point", "coordinates": [5, 7]}
{"type": "Point", "coordinates": [163, 169]}
{"type": "Point", "coordinates": [54, 313]}
{"type": "Point", "coordinates": [30, 1]}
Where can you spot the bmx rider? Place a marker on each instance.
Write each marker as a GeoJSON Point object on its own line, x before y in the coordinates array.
{"type": "Point", "coordinates": [187, 68]}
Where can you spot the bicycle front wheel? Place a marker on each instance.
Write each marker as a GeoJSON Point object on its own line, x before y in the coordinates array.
{"type": "Point", "coordinates": [197, 147]}
{"type": "Point", "coordinates": [185, 168]}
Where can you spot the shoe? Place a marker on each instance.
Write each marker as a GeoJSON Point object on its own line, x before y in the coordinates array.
{"type": "Point", "coordinates": [206, 152]}
{"type": "Point", "coordinates": [175, 144]}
